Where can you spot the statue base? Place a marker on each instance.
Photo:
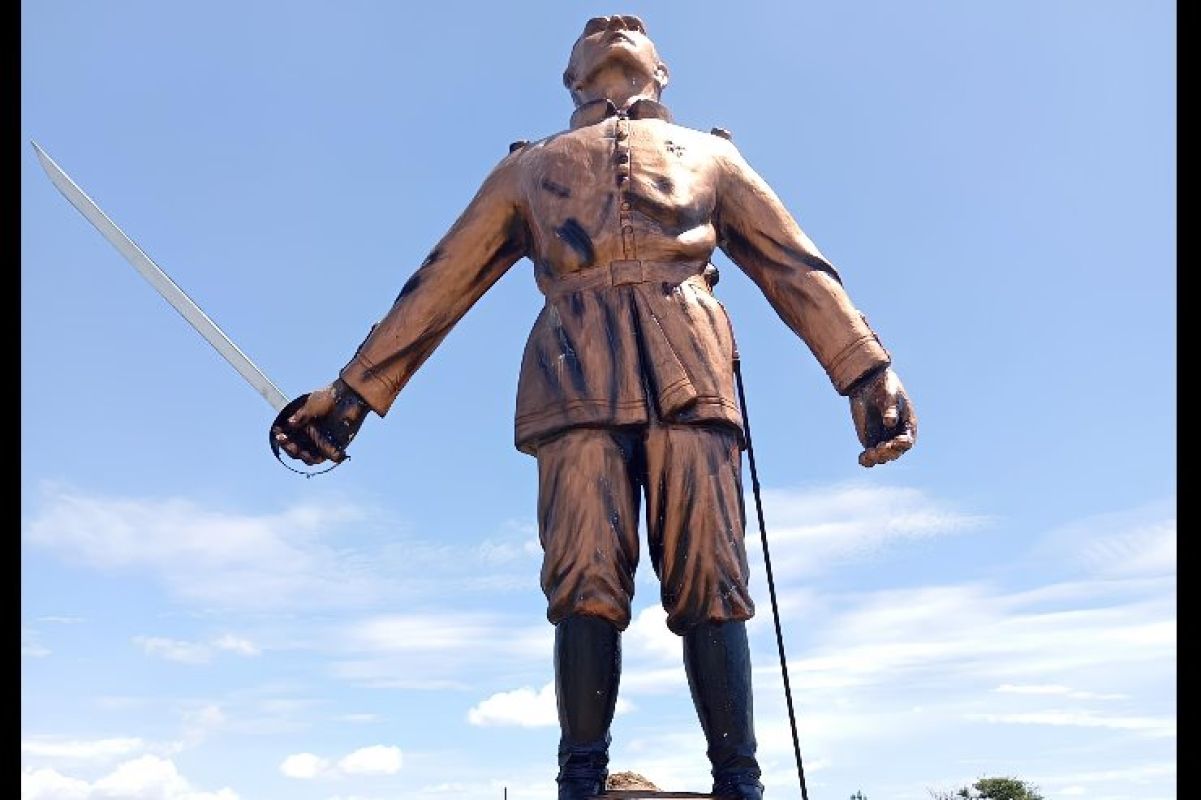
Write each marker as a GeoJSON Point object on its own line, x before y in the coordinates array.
{"type": "Point", "coordinates": [649, 794]}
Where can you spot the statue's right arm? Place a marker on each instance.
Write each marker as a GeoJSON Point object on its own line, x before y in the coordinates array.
{"type": "Point", "coordinates": [488, 237]}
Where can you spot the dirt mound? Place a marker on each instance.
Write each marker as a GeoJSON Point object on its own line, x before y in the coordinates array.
{"type": "Point", "coordinates": [629, 780]}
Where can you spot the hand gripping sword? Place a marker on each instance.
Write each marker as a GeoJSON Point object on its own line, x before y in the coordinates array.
{"type": "Point", "coordinates": [187, 308]}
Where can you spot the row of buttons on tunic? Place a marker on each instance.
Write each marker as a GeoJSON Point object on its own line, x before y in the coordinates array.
{"type": "Point", "coordinates": [622, 154]}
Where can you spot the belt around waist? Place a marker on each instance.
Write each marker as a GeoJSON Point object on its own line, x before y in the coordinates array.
{"type": "Point", "coordinates": [623, 272]}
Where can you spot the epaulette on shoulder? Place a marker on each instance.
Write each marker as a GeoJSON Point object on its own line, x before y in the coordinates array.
{"type": "Point", "coordinates": [722, 132]}
{"type": "Point", "coordinates": [517, 145]}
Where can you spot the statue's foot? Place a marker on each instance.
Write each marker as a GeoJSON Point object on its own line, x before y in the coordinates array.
{"type": "Point", "coordinates": [580, 788]}
{"type": "Point", "coordinates": [741, 788]}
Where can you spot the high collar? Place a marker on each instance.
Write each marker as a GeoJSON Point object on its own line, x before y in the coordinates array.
{"type": "Point", "coordinates": [597, 110]}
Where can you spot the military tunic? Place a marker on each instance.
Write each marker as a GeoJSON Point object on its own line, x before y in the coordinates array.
{"type": "Point", "coordinates": [626, 383]}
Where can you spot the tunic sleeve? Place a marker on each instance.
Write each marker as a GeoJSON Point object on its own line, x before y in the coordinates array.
{"type": "Point", "coordinates": [488, 238]}
{"type": "Point", "coordinates": [761, 237]}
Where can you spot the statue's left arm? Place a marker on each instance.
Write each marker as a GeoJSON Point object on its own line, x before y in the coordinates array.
{"type": "Point", "coordinates": [762, 238]}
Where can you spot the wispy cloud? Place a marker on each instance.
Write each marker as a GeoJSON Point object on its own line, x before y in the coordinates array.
{"type": "Point", "coordinates": [174, 649]}
{"type": "Point", "coordinates": [187, 652]}
{"type": "Point", "coordinates": [1055, 689]}
{"type": "Point", "coordinates": [812, 528]}
{"type": "Point", "coordinates": [236, 644]}
{"type": "Point", "coordinates": [957, 666]}
{"type": "Point", "coordinates": [360, 717]}
{"type": "Point", "coordinates": [315, 554]}
{"type": "Point", "coordinates": [209, 556]}
{"type": "Point", "coordinates": [1085, 657]}
{"type": "Point", "coordinates": [31, 645]}
{"type": "Point", "coordinates": [436, 650]}
{"type": "Point", "coordinates": [1138, 542]}
{"type": "Point", "coordinates": [1152, 726]}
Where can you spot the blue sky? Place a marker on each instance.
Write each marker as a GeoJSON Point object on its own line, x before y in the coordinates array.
{"type": "Point", "coordinates": [996, 185]}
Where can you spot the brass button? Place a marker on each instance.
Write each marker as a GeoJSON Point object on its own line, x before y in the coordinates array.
{"type": "Point", "coordinates": [627, 228]}
{"type": "Point", "coordinates": [625, 206]}
{"type": "Point", "coordinates": [623, 158]}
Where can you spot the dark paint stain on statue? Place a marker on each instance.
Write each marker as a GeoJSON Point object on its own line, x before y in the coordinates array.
{"type": "Point", "coordinates": [573, 233]}
{"type": "Point", "coordinates": [557, 189]}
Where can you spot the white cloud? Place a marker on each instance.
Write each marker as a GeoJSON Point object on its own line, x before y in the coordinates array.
{"type": "Point", "coordinates": [525, 708]}
{"type": "Point", "coordinates": [303, 766]}
{"type": "Point", "coordinates": [61, 620]}
{"type": "Point", "coordinates": [236, 644]}
{"type": "Point", "coordinates": [810, 529]}
{"type": "Point", "coordinates": [148, 777]}
{"type": "Point", "coordinates": [46, 784]}
{"type": "Point", "coordinates": [375, 760]}
{"type": "Point", "coordinates": [153, 778]}
{"type": "Point", "coordinates": [648, 638]}
{"type": "Point", "coordinates": [81, 749]}
{"type": "Point", "coordinates": [522, 707]}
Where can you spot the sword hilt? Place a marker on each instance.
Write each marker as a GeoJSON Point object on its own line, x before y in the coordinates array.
{"type": "Point", "coordinates": [301, 437]}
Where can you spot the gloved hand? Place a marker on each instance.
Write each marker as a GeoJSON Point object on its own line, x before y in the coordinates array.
{"type": "Point", "coordinates": [329, 419]}
{"type": "Point", "coordinates": [884, 417]}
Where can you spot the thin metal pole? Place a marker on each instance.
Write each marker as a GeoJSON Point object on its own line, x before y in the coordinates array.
{"type": "Point", "coordinates": [771, 582]}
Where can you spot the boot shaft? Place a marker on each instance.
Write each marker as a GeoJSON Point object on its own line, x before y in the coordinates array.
{"type": "Point", "coordinates": [717, 662]}
{"type": "Point", "coordinates": [587, 674]}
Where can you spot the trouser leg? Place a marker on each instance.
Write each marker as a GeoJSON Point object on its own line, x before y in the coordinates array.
{"type": "Point", "coordinates": [696, 522]}
{"type": "Point", "coordinates": [588, 524]}
{"type": "Point", "coordinates": [588, 499]}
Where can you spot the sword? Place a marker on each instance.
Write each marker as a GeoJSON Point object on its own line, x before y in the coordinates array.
{"type": "Point", "coordinates": [178, 299]}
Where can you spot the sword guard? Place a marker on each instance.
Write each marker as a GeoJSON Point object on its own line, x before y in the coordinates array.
{"type": "Point", "coordinates": [300, 437]}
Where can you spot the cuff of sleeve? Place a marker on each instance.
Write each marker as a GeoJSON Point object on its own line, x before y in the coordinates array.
{"type": "Point", "coordinates": [364, 377]}
{"type": "Point", "coordinates": [856, 360]}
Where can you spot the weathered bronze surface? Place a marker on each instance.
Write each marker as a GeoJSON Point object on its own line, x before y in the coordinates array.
{"type": "Point", "coordinates": [626, 385]}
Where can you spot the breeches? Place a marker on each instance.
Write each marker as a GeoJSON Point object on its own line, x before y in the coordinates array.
{"type": "Point", "coordinates": [590, 483]}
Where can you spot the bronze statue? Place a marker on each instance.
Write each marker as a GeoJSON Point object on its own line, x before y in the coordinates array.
{"type": "Point", "coordinates": [626, 383]}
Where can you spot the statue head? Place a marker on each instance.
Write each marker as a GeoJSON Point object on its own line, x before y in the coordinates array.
{"type": "Point", "coordinates": [614, 58]}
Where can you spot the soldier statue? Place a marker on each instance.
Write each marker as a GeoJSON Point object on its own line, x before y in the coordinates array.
{"type": "Point", "coordinates": [627, 381]}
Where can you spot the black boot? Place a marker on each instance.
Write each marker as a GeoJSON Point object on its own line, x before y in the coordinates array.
{"type": "Point", "coordinates": [717, 660]}
{"type": "Point", "coordinates": [587, 669]}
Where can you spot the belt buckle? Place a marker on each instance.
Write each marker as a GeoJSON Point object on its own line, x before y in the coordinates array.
{"type": "Point", "coordinates": [626, 271]}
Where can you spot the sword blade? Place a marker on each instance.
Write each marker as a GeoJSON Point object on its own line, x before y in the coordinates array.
{"type": "Point", "coordinates": [161, 282]}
